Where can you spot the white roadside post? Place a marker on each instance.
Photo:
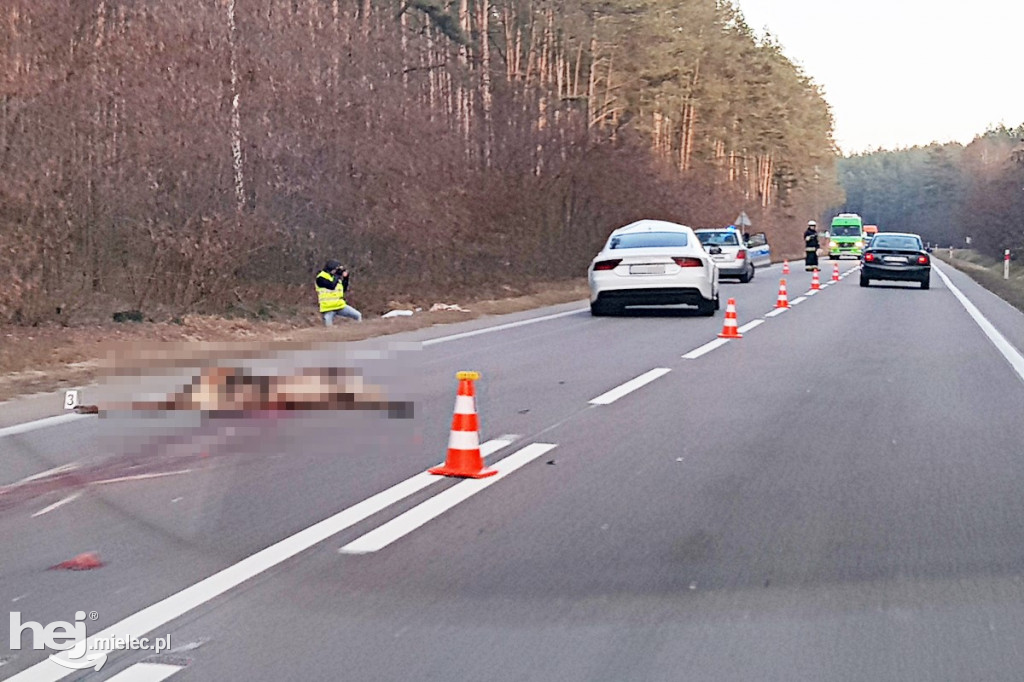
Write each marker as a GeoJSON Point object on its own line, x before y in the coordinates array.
{"type": "Point", "coordinates": [1006, 264]}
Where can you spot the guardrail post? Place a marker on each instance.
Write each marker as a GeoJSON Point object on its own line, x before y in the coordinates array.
{"type": "Point", "coordinates": [1006, 264]}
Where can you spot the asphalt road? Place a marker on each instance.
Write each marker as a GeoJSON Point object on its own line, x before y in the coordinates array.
{"type": "Point", "coordinates": [836, 496]}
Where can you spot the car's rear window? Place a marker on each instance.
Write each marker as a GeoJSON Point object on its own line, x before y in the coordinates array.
{"type": "Point", "coordinates": [642, 240]}
{"type": "Point", "coordinates": [718, 238]}
{"type": "Point", "coordinates": [910, 243]}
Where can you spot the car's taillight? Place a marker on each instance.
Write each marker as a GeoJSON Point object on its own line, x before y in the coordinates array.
{"type": "Point", "coordinates": [689, 262]}
{"type": "Point", "coordinates": [922, 260]}
{"type": "Point", "coordinates": [869, 257]}
{"type": "Point", "coordinates": [607, 264]}
{"type": "Point", "coordinates": [741, 254]}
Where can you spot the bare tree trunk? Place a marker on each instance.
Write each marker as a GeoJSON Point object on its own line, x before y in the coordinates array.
{"type": "Point", "coordinates": [236, 118]}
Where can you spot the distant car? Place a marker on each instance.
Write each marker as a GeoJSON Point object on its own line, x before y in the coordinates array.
{"type": "Point", "coordinates": [896, 256]}
{"type": "Point", "coordinates": [736, 258]}
{"type": "Point", "coordinates": [653, 262]}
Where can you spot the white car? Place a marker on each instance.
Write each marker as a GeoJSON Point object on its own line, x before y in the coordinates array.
{"type": "Point", "coordinates": [737, 258]}
{"type": "Point", "coordinates": [653, 262]}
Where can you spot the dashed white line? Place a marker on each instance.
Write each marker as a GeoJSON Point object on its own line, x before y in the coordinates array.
{"type": "Point", "coordinates": [1011, 354]}
{"type": "Point", "coordinates": [798, 300]}
{"type": "Point", "coordinates": [630, 386]}
{"type": "Point", "coordinates": [58, 504]}
{"type": "Point", "coordinates": [166, 610]}
{"type": "Point", "coordinates": [402, 525]}
{"type": "Point", "coordinates": [750, 325]}
{"type": "Point", "coordinates": [811, 292]}
{"type": "Point", "coordinates": [705, 349]}
{"type": "Point", "coordinates": [146, 672]}
{"type": "Point", "coordinates": [777, 311]}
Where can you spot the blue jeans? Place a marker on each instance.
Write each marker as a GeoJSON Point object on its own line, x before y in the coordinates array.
{"type": "Point", "coordinates": [348, 311]}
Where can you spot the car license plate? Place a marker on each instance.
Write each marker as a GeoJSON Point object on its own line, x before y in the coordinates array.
{"type": "Point", "coordinates": [895, 259]}
{"type": "Point", "coordinates": [719, 258]}
{"type": "Point", "coordinates": [647, 269]}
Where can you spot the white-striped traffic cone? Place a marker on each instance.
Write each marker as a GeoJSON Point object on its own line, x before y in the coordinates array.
{"type": "Point", "coordinates": [835, 272]}
{"type": "Point", "coordinates": [730, 330]}
{"type": "Point", "coordinates": [464, 459]}
{"type": "Point", "coordinates": [785, 267]}
{"type": "Point", "coordinates": [783, 301]}
{"type": "Point", "coordinates": [815, 282]}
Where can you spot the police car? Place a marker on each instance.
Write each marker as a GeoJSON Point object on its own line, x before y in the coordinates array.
{"type": "Point", "coordinates": [739, 257]}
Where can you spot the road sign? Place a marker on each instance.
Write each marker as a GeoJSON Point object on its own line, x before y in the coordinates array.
{"type": "Point", "coordinates": [743, 220]}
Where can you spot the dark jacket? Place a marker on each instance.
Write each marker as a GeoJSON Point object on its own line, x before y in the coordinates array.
{"type": "Point", "coordinates": [332, 283]}
{"type": "Point", "coordinates": [811, 239]}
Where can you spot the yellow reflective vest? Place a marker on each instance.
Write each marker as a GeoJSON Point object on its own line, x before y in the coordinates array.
{"type": "Point", "coordinates": [330, 299]}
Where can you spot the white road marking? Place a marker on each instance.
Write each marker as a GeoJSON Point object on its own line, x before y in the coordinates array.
{"type": "Point", "coordinates": [63, 468]}
{"type": "Point", "coordinates": [777, 311]}
{"type": "Point", "coordinates": [58, 504]}
{"type": "Point", "coordinates": [41, 424]}
{"type": "Point", "coordinates": [1011, 354]}
{"type": "Point", "coordinates": [811, 292]}
{"type": "Point", "coordinates": [500, 327]}
{"type": "Point", "coordinates": [166, 610]}
{"type": "Point", "coordinates": [705, 349]}
{"type": "Point", "coordinates": [416, 517]}
{"type": "Point", "coordinates": [146, 672]}
{"type": "Point", "coordinates": [750, 325]}
{"type": "Point", "coordinates": [630, 386]}
{"type": "Point", "coordinates": [798, 300]}
{"type": "Point", "coordinates": [141, 477]}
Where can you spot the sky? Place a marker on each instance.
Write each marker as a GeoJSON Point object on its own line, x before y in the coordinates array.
{"type": "Point", "coordinates": [900, 73]}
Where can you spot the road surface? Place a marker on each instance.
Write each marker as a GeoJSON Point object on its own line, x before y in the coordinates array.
{"type": "Point", "coordinates": [836, 496]}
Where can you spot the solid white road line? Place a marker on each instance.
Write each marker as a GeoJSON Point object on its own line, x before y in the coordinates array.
{"type": "Point", "coordinates": [798, 300]}
{"type": "Point", "coordinates": [777, 311]}
{"type": "Point", "coordinates": [58, 504]}
{"type": "Point", "coordinates": [180, 603]}
{"type": "Point", "coordinates": [750, 325]}
{"type": "Point", "coordinates": [146, 672]}
{"type": "Point", "coordinates": [41, 424]}
{"type": "Point", "coordinates": [630, 386]}
{"type": "Point", "coordinates": [705, 349]}
{"type": "Point", "coordinates": [1011, 354]}
{"type": "Point", "coordinates": [500, 327]}
{"type": "Point", "coordinates": [406, 523]}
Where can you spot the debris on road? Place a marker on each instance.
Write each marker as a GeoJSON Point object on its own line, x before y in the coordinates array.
{"type": "Point", "coordinates": [83, 562]}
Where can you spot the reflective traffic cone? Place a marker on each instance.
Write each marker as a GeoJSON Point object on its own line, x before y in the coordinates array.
{"type": "Point", "coordinates": [464, 459]}
{"type": "Point", "coordinates": [815, 282]}
{"type": "Point", "coordinates": [785, 267]}
{"type": "Point", "coordinates": [730, 330]}
{"type": "Point", "coordinates": [783, 301]}
{"type": "Point", "coordinates": [835, 272]}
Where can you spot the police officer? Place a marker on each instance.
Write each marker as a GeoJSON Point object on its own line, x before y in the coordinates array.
{"type": "Point", "coordinates": [331, 283]}
{"type": "Point", "coordinates": [811, 245]}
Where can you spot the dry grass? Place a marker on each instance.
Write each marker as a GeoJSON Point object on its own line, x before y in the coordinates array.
{"type": "Point", "coordinates": [988, 272]}
{"type": "Point", "coordinates": [44, 358]}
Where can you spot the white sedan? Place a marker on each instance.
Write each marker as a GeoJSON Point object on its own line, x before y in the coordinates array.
{"type": "Point", "coordinates": [653, 262]}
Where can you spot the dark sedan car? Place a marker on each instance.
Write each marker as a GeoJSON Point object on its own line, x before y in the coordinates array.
{"type": "Point", "coordinates": [898, 257]}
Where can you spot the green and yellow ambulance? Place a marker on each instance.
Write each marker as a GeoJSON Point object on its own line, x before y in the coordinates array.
{"type": "Point", "coordinates": [846, 236]}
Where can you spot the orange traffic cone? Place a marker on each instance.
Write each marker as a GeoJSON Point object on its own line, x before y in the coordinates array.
{"type": "Point", "coordinates": [730, 329]}
{"type": "Point", "coordinates": [815, 282]}
{"type": "Point", "coordinates": [464, 458]}
{"type": "Point", "coordinates": [783, 301]}
{"type": "Point", "coordinates": [82, 562]}
{"type": "Point", "coordinates": [835, 272]}
{"type": "Point", "coordinates": [785, 267]}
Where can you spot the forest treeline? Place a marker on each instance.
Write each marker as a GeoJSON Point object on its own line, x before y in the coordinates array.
{"type": "Point", "coordinates": [947, 193]}
{"type": "Point", "coordinates": [199, 154]}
